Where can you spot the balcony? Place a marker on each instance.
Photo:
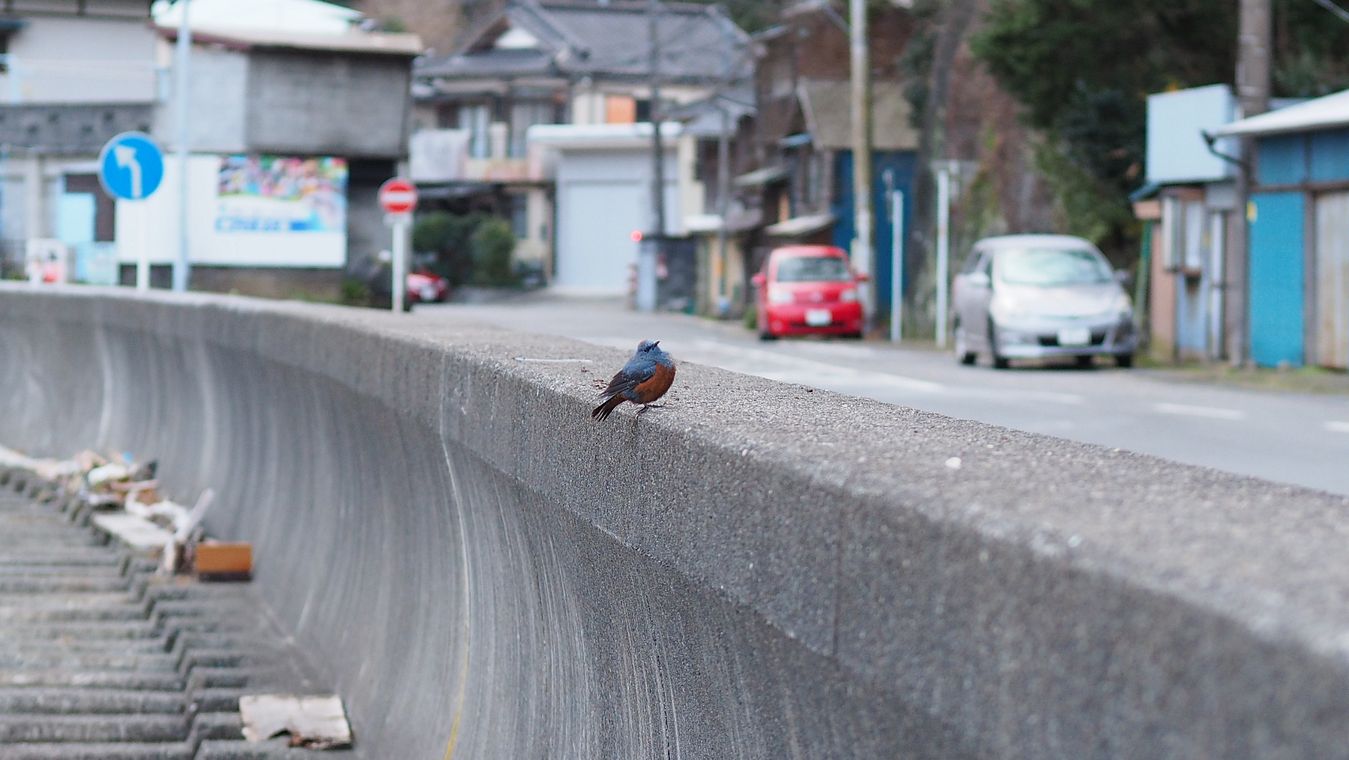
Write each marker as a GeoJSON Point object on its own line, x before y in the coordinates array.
{"type": "Point", "coordinates": [441, 156]}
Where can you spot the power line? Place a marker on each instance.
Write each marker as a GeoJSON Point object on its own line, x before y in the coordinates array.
{"type": "Point", "coordinates": [1339, 12]}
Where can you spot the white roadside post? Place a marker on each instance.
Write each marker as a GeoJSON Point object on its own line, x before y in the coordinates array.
{"type": "Point", "coordinates": [943, 248]}
{"type": "Point", "coordinates": [896, 266]}
{"type": "Point", "coordinates": [182, 265]}
{"type": "Point", "coordinates": [398, 197]}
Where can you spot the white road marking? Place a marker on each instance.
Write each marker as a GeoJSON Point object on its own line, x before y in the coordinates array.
{"type": "Point", "coordinates": [1210, 412]}
{"type": "Point", "coordinates": [787, 368]}
{"type": "Point", "coordinates": [1336, 426]}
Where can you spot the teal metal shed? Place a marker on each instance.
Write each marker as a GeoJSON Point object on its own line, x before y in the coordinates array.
{"type": "Point", "coordinates": [1299, 233]}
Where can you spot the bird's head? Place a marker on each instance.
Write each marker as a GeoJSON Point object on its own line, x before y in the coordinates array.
{"type": "Point", "coordinates": [648, 346]}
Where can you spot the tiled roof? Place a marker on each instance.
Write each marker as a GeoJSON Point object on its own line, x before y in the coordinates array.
{"type": "Point", "coordinates": [583, 37]}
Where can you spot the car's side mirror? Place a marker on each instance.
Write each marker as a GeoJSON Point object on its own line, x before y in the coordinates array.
{"type": "Point", "coordinates": [980, 280]}
{"type": "Point", "coordinates": [1124, 277]}
{"type": "Point", "coordinates": [759, 280]}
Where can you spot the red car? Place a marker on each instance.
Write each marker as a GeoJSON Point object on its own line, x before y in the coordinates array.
{"type": "Point", "coordinates": [426, 287]}
{"type": "Point", "coordinates": [808, 290]}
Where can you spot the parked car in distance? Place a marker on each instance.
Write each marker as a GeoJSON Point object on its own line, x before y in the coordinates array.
{"type": "Point", "coordinates": [425, 286]}
{"type": "Point", "coordinates": [1041, 297]}
{"type": "Point", "coordinates": [808, 290]}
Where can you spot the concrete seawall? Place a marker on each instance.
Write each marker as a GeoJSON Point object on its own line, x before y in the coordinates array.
{"type": "Point", "coordinates": [756, 571]}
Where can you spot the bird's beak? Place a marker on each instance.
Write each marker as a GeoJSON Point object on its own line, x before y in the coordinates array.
{"type": "Point", "coordinates": [657, 343]}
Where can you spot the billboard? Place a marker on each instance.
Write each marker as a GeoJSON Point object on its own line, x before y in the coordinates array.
{"type": "Point", "coordinates": [280, 194]}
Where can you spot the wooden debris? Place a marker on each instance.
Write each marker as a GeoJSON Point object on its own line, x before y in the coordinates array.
{"type": "Point", "coordinates": [219, 561]}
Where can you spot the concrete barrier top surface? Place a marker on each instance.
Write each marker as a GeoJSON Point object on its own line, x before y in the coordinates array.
{"type": "Point", "coordinates": [1044, 598]}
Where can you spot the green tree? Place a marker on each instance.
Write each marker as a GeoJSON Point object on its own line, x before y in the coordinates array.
{"type": "Point", "coordinates": [1083, 69]}
{"type": "Point", "coordinates": [492, 244]}
{"type": "Point", "coordinates": [448, 237]}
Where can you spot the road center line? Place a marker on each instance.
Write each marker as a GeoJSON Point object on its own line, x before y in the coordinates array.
{"type": "Point", "coordinates": [1211, 412]}
{"type": "Point", "coordinates": [1336, 426]}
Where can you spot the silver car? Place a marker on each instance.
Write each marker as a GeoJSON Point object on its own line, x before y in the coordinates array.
{"type": "Point", "coordinates": [1040, 297]}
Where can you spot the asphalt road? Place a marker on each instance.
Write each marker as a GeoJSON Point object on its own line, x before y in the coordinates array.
{"type": "Point", "coordinates": [1293, 438]}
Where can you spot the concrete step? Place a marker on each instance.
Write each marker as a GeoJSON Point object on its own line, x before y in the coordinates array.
{"type": "Point", "coordinates": [46, 610]}
{"type": "Point", "coordinates": [93, 728]}
{"type": "Point", "coordinates": [90, 629]}
{"type": "Point", "coordinates": [98, 751]}
{"type": "Point", "coordinates": [46, 584]}
{"type": "Point", "coordinates": [275, 749]}
{"type": "Point", "coordinates": [217, 725]}
{"type": "Point", "coordinates": [81, 701]}
{"type": "Point", "coordinates": [59, 658]}
{"type": "Point", "coordinates": [92, 679]}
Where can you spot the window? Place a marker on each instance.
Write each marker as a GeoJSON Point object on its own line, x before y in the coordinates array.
{"type": "Point", "coordinates": [619, 109]}
{"type": "Point", "coordinates": [475, 119]}
{"type": "Point", "coordinates": [523, 116]}
{"type": "Point", "coordinates": [519, 216]}
{"type": "Point", "coordinates": [813, 269]}
{"type": "Point", "coordinates": [1051, 267]}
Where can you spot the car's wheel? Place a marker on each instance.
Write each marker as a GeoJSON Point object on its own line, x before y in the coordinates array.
{"type": "Point", "coordinates": [963, 353]}
{"type": "Point", "coordinates": [1084, 362]}
{"type": "Point", "coordinates": [999, 361]}
{"type": "Point", "coordinates": [1124, 361]}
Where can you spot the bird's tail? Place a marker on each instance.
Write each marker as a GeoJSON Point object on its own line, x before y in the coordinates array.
{"type": "Point", "coordinates": [603, 411]}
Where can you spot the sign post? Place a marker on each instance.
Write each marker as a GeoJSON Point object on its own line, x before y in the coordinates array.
{"type": "Point", "coordinates": [398, 197]}
{"type": "Point", "coordinates": [896, 266]}
{"type": "Point", "coordinates": [130, 168]}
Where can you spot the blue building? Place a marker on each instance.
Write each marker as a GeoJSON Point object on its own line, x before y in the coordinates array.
{"type": "Point", "coordinates": [1298, 262]}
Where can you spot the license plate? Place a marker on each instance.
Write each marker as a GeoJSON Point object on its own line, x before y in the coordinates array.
{"type": "Point", "coordinates": [1074, 336]}
{"type": "Point", "coordinates": [818, 317]}
{"type": "Point", "coordinates": [428, 293]}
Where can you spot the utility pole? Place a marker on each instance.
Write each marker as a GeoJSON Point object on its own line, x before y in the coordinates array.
{"type": "Point", "coordinates": [861, 151]}
{"type": "Point", "coordinates": [182, 264]}
{"type": "Point", "coordinates": [1253, 78]}
{"type": "Point", "coordinates": [648, 253]}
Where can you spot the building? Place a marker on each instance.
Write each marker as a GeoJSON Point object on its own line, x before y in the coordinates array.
{"type": "Point", "coordinates": [1192, 277]}
{"type": "Point", "coordinates": [585, 69]}
{"type": "Point", "coordinates": [1299, 233]}
{"type": "Point", "coordinates": [72, 75]}
{"type": "Point", "coordinates": [296, 117]}
{"type": "Point", "coordinates": [800, 188]}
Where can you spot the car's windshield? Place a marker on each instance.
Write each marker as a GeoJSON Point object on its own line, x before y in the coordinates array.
{"type": "Point", "coordinates": [1050, 267]}
{"type": "Point", "coordinates": [813, 269]}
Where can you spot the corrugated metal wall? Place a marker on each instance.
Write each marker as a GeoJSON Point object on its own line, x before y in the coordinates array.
{"type": "Point", "coordinates": [1276, 243]}
{"type": "Point", "coordinates": [1332, 279]}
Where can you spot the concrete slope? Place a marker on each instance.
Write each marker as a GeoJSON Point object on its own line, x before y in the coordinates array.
{"type": "Point", "coordinates": [756, 571]}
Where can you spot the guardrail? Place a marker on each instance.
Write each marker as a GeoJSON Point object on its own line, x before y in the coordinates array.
{"type": "Point", "coordinates": [758, 570]}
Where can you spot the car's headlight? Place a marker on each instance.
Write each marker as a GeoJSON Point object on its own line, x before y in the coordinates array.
{"type": "Point", "coordinates": [779, 295]}
{"type": "Point", "coordinates": [1122, 309]}
{"type": "Point", "coordinates": [1006, 309]}
{"type": "Point", "coordinates": [848, 295]}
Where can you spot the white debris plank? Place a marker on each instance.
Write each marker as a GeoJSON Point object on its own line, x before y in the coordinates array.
{"type": "Point", "coordinates": [139, 533]}
{"type": "Point", "coordinates": [318, 722]}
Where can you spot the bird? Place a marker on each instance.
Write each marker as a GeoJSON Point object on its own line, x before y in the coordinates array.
{"type": "Point", "coordinates": [646, 377]}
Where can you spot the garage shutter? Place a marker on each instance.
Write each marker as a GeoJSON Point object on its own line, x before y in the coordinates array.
{"type": "Point", "coordinates": [596, 220]}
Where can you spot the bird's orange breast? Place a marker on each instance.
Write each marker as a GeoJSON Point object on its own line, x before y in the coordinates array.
{"type": "Point", "coordinates": [654, 387]}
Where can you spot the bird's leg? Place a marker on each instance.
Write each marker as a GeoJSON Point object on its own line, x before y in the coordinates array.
{"type": "Point", "coordinates": [653, 406]}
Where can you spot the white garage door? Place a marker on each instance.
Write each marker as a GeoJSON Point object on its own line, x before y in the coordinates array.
{"type": "Point", "coordinates": [596, 220]}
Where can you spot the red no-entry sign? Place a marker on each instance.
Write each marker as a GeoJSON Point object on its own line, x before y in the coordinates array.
{"type": "Point", "coordinates": [398, 196]}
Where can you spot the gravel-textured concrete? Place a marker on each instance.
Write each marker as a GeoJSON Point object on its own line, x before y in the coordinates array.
{"type": "Point", "coordinates": [757, 570]}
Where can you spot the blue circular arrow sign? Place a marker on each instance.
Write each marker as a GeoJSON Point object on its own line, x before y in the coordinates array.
{"type": "Point", "coordinates": [131, 166]}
